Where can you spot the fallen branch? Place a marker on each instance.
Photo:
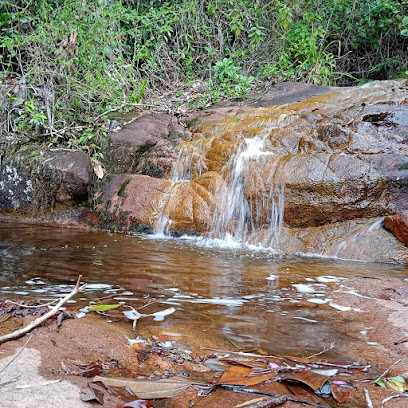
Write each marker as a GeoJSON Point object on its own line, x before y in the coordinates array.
{"type": "Point", "coordinates": [31, 307]}
{"type": "Point", "coordinates": [325, 349]}
{"type": "Point", "coordinates": [18, 333]}
{"type": "Point", "coordinates": [387, 371]}
{"type": "Point", "coordinates": [390, 398]}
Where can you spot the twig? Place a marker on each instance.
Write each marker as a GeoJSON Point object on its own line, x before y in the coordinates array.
{"type": "Point", "coordinates": [387, 371]}
{"type": "Point", "coordinates": [208, 317]}
{"type": "Point", "coordinates": [9, 381]}
{"type": "Point", "coordinates": [331, 347]}
{"type": "Point", "coordinates": [32, 307]}
{"type": "Point", "coordinates": [368, 399]}
{"type": "Point", "coordinates": [392, 397]}
{"type": "Point", "coordinates": [15, 357]}
{"type": "Point", "coordinates": [235, 388]}
{"type": "Point", "coordinates": [52, 312]}
{"type": "Point", "coordinates": [280, 357]}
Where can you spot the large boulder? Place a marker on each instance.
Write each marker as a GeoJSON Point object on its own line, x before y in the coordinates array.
{"type": "Point", "coordinates": [338, 159]}
{"type": "Point", "coordinates": [32, 179]}
{"type": "Point", "coordinates": [148, 146]}
{"type": "Point", "coordinates": [130, 202]}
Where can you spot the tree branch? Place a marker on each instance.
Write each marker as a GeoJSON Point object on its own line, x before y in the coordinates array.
{"type": "Point", "coordinates": [18, 333]}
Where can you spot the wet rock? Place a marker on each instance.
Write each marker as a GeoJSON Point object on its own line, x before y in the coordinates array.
{"type": "Point", "coordinates": [284, 93]}
{"type": "Point", "coordinates": [130, 202]}
{"type": "Point", "coordinates": [341, 158]}
{"type": "Point", "coordinates": [71, 168]}
{"type": "Point", "coordinates": [398, 225]}
{"type": "Point", "coordinates": [146, 146]}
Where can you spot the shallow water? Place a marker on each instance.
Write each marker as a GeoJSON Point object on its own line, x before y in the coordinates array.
{"type": "Point", "coordinates": [223, 297]}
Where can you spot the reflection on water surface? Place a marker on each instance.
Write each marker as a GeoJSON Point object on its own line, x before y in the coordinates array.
{"type": "Point", "coordinates": [222, 297]}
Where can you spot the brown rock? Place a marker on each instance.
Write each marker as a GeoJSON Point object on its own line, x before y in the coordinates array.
{"type": "Point", "coordinates": [398, 225]}
{"type": "Point", "coordinates": [35, 179]}
{"type": "Point", "coordinates": [134, 197]}
{"type": "Point", "coordinates": [148, 146]}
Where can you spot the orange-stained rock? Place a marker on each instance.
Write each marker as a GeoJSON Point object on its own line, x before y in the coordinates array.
{"type": "Point", "coordinates": [398, 225]}
{"type": "Point", "coordinates": [339, 159]}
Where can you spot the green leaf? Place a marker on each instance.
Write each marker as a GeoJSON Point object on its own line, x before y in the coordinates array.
{"type": "Point", "coordinates": [102, 308]}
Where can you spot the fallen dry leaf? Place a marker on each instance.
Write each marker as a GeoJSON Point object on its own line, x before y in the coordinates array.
{"type": "Point", "coordinates": [313, 380]}
{"type": "Point", "coordinates": [98, 169]}
{"type": "Point", "coordinates": [246, 361]}
{"type": "Point", "coordinates": [242, 375]}
{"type": "Point", "coordinates": [92, 394]}
{"type": "Point", "coordinates": [340, 394]}
{"type": "Point", "coordinates": [145, 389]}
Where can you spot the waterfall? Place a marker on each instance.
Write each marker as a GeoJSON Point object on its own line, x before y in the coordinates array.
{"type": "Point", "coordinates": [189, 164]}
{"type": "Point", "coordinates": [238, 215]}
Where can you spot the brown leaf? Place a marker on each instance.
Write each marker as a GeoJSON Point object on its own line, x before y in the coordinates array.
{"type": "Point", "coordinates": [241, 375]}
{"type": "Point", "coordinates": [92, 393]}
{"type": "Point", "coordinates": [264, 402]}
{"type": "Point", "coordinates": [145, 389]}
{"type": "Point", "coordinates": [313, 380]}
{"type": "Point", "coordinates": [139, 346]}
{"type": "Point", "coordinates": [340, 394]}
{"type": "Point", "coordinates": [91, 369]}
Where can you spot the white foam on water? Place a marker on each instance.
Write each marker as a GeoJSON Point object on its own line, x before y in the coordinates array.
{"type": "Point", "coordinates": [213, 301]}
{"type": "Point", "coordinates": [304, 288]}
{"type": "Point", "coordinates": [340, 307]}
{"type": "Point", "coordinates": [305, 319]}
{"type": "Point", "coordinates": [329, 279]}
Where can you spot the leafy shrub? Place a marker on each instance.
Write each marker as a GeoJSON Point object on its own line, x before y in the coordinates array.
{"type": "Point", "coordinates": [63, 63]}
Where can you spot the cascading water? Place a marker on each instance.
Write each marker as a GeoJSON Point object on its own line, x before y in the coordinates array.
{"type": "Point", "coordinates": [238, 216]}
{"type": "Point", "coordinates": [189, 161]}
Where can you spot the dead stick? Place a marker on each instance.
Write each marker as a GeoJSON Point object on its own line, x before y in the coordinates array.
{"type": "Point", "coordinates": [368, 399]}
{"type": "Point", "coordinates": [15, 357]}
{"type": "Point", "coordinates": [31, 307]}
{"type": "Point", "coordinates": [387, 371]}
{"type": "Point", "coordinates": [52, 312]}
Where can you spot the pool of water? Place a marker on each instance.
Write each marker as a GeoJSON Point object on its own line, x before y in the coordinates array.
{"type": "Point", "coordinates": [224, 298]}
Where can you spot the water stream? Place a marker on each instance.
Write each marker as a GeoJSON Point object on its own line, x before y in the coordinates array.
{"type": "Point", "coordinates": [236, 218]}
{"type": "Point", "coordinates": [251, 298]}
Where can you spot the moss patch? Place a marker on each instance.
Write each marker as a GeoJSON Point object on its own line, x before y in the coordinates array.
{"type": "Point", "coordinates": [121, 191]}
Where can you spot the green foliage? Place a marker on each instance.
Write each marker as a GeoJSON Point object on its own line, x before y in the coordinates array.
{"type": "Point", "coordinates": [64, 63]}
{"type": "Point", "coordinates": [228, 79]}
